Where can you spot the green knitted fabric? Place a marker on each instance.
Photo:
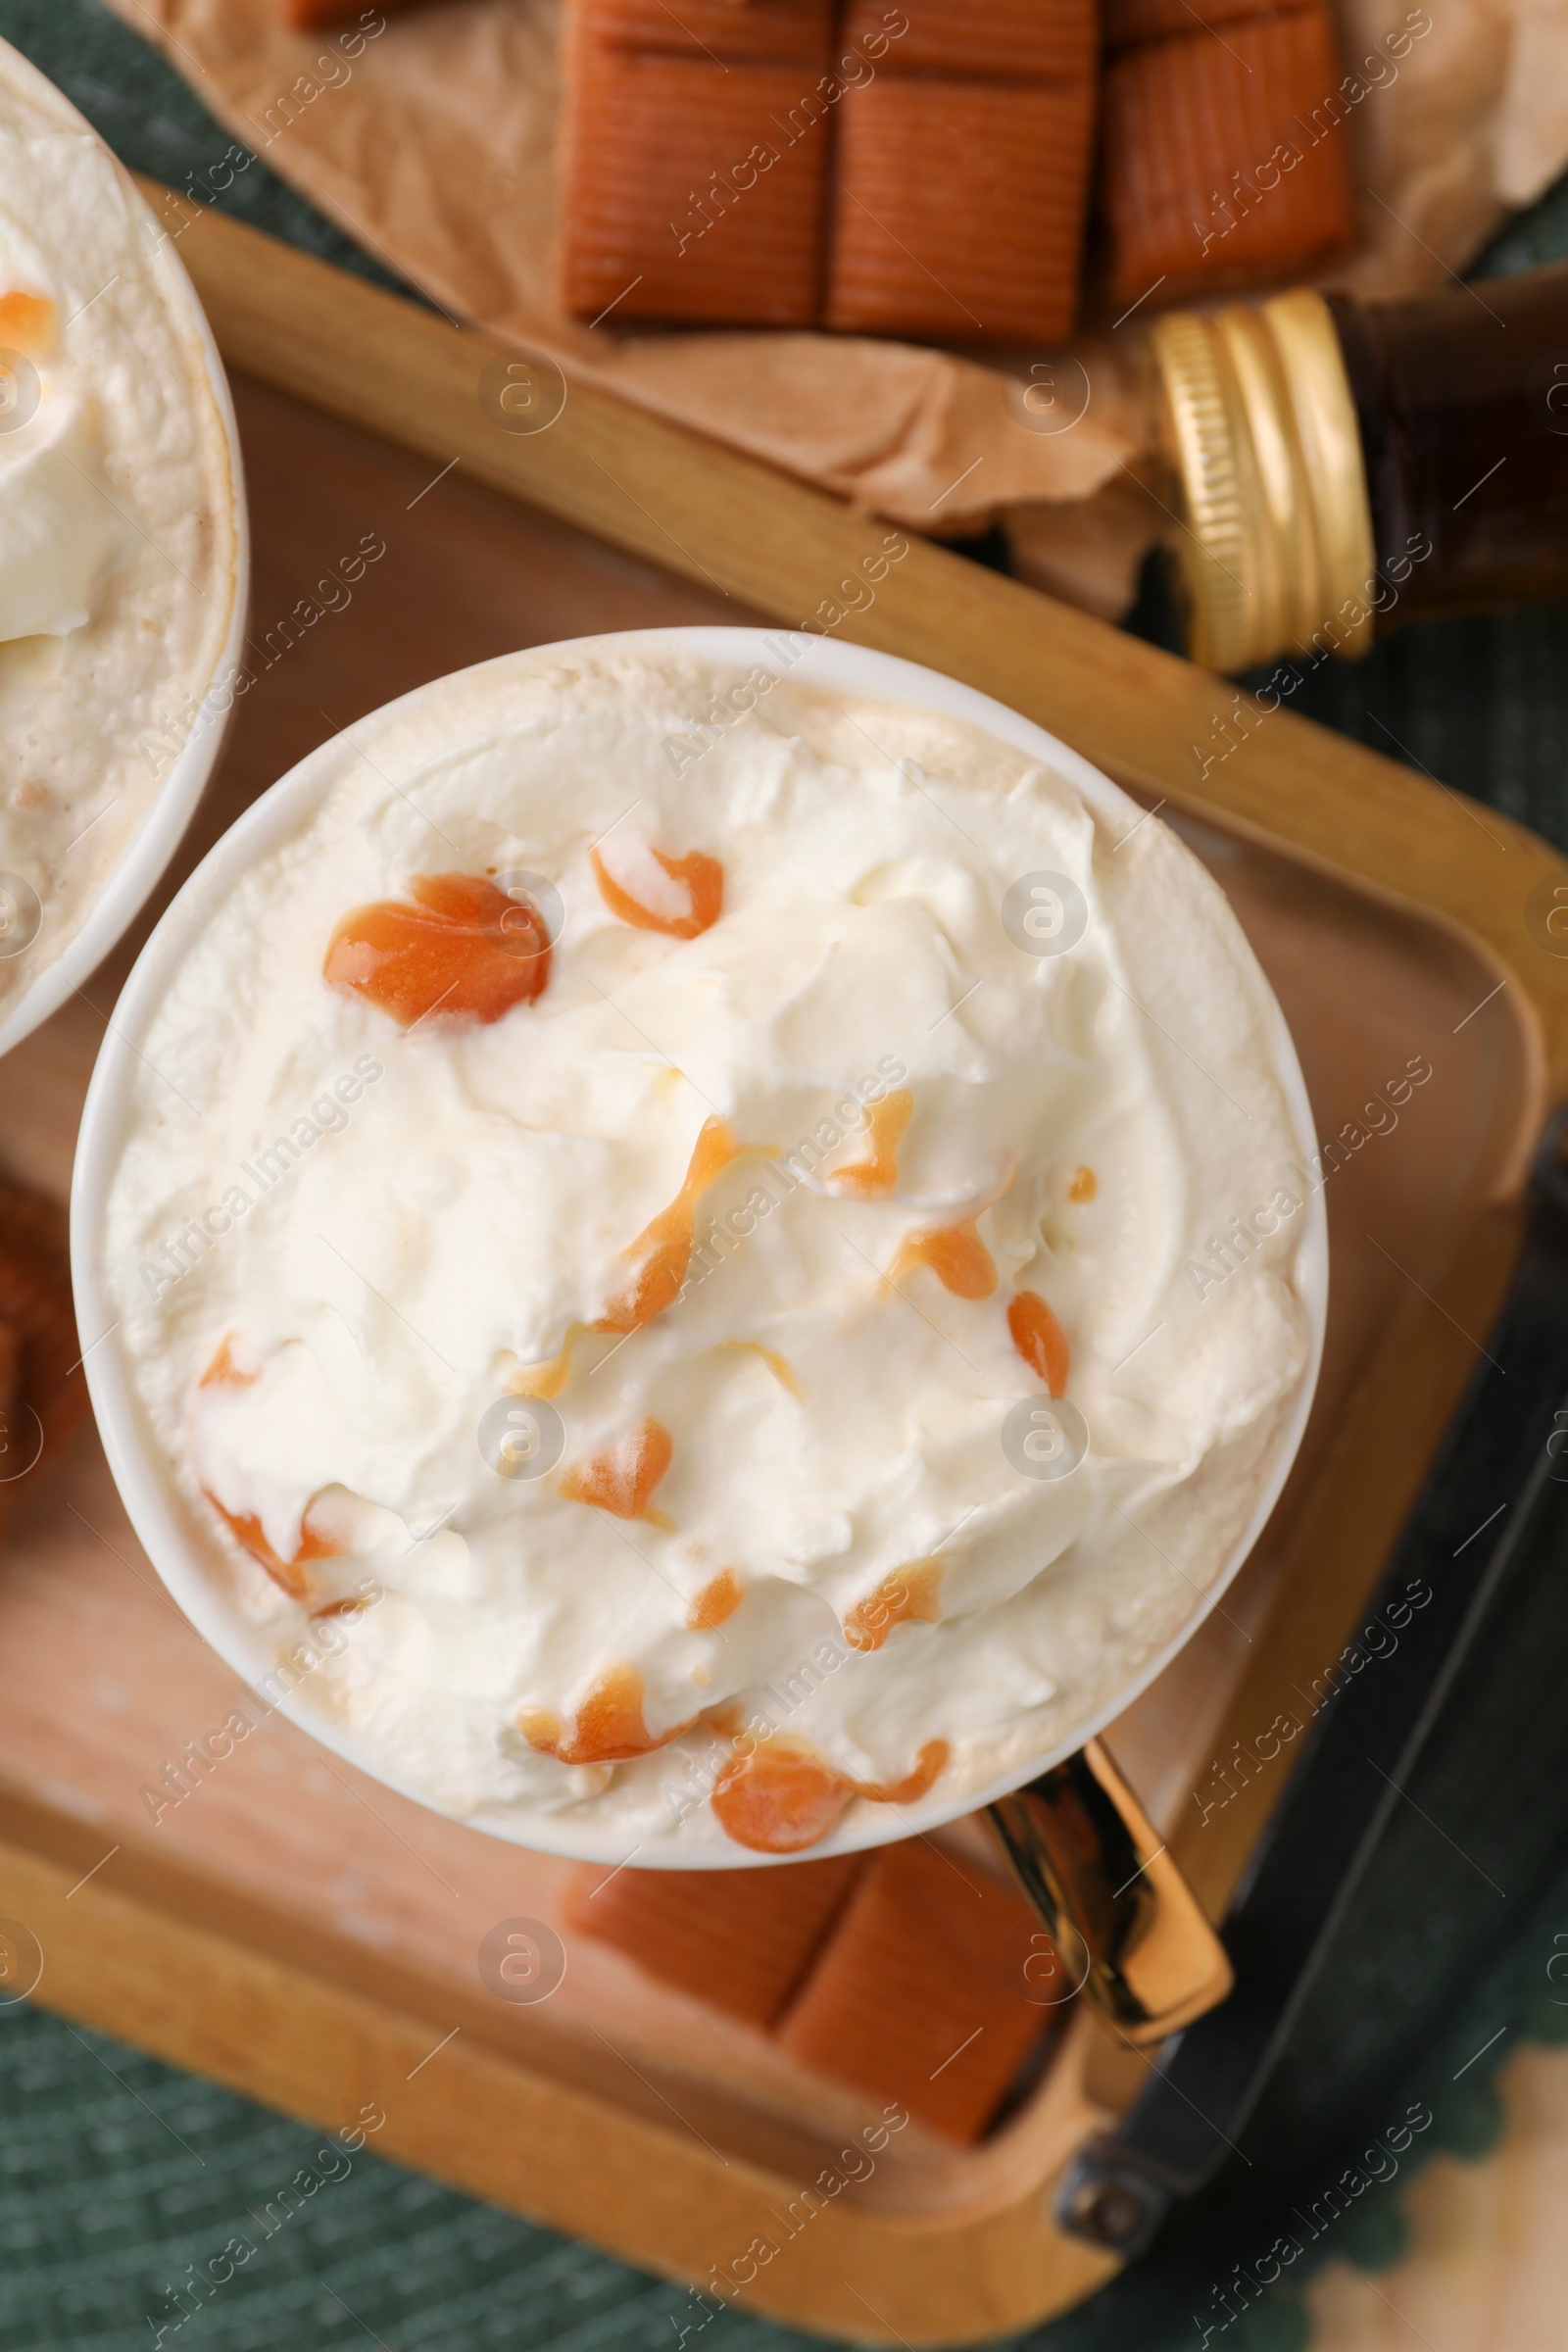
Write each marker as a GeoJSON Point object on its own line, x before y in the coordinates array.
{"type": "Point", "coordinates": [155, 125]}
{"type": "Point", "coordinates": [118, 2174]}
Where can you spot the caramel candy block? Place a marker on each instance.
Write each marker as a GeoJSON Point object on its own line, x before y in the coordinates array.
{"type": "Point", "coordinates": [1003, 40]}
{"type": "Point", "coordinates": [309, 16]}
{"type": "Point", "coordinates": [921, 1996]}
{"type": "Point", "coordinates": [11, 1422]}
{"type": "Point", "coordinates": [738, 1939]}
{"type": "Point", "coordinates": [691, 191]}
{"type": "Point", "coordinates": [1226, 161]}
{"type": "Point", "coordinates": [757, 32]}
{"type": "Point", "coordinates": [960, 208]}
{"type": "Point", "coordinates": [1130, 21]}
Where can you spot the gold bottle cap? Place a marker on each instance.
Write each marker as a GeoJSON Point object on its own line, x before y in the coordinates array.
{"type": "Point", "coordinates": [1256, 420]}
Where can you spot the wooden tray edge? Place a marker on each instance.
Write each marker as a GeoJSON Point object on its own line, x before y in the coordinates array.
{"type": "Point", "coordinates": [496, 2130]}
{"type": "Point", "coordinates": [696, 508]}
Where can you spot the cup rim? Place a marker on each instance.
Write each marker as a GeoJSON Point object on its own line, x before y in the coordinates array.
{"type": "Point", "coordinates": [174, 804]}
{"type": "Point", "coordinates": [181, 1552]}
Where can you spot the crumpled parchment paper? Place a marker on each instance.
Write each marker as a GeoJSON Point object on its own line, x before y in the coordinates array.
{"type": "Point", "coordinates": [430, 137]}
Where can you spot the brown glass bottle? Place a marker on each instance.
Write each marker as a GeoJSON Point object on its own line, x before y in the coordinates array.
{"type": "Point", "coordinates": [1338, 467]}
{"type": "Point", "coordinates": [1461, 400]}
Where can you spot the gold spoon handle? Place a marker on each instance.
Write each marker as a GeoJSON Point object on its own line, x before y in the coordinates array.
{"type": "Point", "coordinates": [1128, 1929]}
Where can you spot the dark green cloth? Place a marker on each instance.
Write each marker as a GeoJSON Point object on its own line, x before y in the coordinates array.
{"type": "Point", "coordinates": [155, 124]}
{"type": "Point", "coordinates": [115, 2173]}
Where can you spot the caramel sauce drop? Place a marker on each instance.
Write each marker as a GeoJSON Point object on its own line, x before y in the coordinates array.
{"type": "Point", "coordinates": [716, 1603]}
{"type": "Point", "coordinates": [467, 951]}
{"type": "Point", "coordinates": [610, 1727]}
{"type": "Point", "coordinates": [785, 1796]}
{"type": "Point", "coordinates": [701, 877]}
{"type": "Point", "coordinates": [956, 1255]}
{"type": "Point", "coordinates": [28, 324]}
{"type": "Point", "coordinates": [1084, 1185]}
{"type": "Point", "coordinates": [224, 1373]}
{"type": "Point", "coordinates": [1039, 1339]}
{"type": "Point", "coordinates": [878, 1174]}
{"type": "Point", "coordinates": [546, 1379]}
{"type": "Point", "coordinates": [927, 1764]}
{"type": "Point", "coordinates": [780, 1366]}
{"type": "Point", "coordinates": [781, 1799]}
{"type": "Point", "coordinates": [908, 1596]}
{"type": "Point", "coordinates": [288, 1574]}
{"type": "Point", "coordinates": [621, 1479]}
{"type": "Point", "coordinates": [662, 1250]}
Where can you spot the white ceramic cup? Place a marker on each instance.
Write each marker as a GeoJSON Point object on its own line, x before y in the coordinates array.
{"type": "Point", "coordinates": [183, 1551]}
{"type": "Point", "coordinates": [163, 826]}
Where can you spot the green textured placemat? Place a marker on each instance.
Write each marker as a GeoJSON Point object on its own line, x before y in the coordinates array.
{"type": "Point", "coordinates": [156, 124]}
{"type": "Point", "coordinates": [119, 2176]}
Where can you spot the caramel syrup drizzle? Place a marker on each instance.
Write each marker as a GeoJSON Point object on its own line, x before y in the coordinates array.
{"type": "Point", "coordinates": [960, 1261]}
{"type": "Point", "coordinates": [659, 1260]}
{"type": "Point", "coordinates": [288, 1574]}
{"type": "Point", "coordinates": [463, 950]}
{"type": "Point", "coordinates": [876, 1174]}
{"type": "Point", "coordinates": [785, 1796]}
{"type": "Point", "coordinates": [782, 1369]}
{"type": "Point", "coordinates": [715, 1605]}
{"type": "Point", "coordinates": [1039, 1339]}
{"type": "Point", "coordinates": [608, 1727]}
{"type": "Point", "coordinates": [27, 324]}
{"type": "Point", "coordinates": [907, 1596]}
{"type": "Point", "coordinates": [956, 1255]}
{"type": "Point", "coordinates": [621, 1480]}
{"type": "Point", "coordinates": [546, 1379]}
{"type": "Point", "coordinates": [701, 877]}
{"type": "Point", "coordinates": [246, 1527]}
{"type": "Point", "coordinates": [222, 1372]}
{"type": "Point", "coordinates": [661, 1253]}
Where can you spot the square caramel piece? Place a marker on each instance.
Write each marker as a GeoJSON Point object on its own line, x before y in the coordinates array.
{"type": "Point", "coordinates": [10, 1386]}
{"type": "Point", "coordinates": [1006, 40]}
{"type": "Point", "coordinates": [959, 208]}
{"type": "Point", "coordinates": [691, 193]}
{"type": "Point", "coordinates": [310, 16]}
{"type": "Point", "coordinates": [1129, 21]}
{"type": "Point", "coordinates": [920, 1993]}
{"type": "Point", "coordinates": [796, 32]}
{"type": "Point", "coordinates": [1225, 161]}
{"type": "Point", "coordinates": [738, 1940]}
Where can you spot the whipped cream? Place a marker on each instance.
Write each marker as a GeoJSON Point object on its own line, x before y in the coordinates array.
{"type": "Point", "coordinates": [59, 534]}
{"type": "Point", "coordinates": [771, 1344]}
{"type": "Point", "coordinates": [117, 519]}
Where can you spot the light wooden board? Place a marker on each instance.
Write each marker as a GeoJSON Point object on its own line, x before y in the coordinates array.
{"type": "Point", "coordinates": [311, 1939]}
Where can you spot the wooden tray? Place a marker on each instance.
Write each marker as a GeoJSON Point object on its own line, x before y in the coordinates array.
{"type": "Point", "coordinates": [307, 1938]}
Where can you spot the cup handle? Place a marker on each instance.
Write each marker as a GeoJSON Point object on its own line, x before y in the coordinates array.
{"type": "Point", "coordinates": [1129, 1930]}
